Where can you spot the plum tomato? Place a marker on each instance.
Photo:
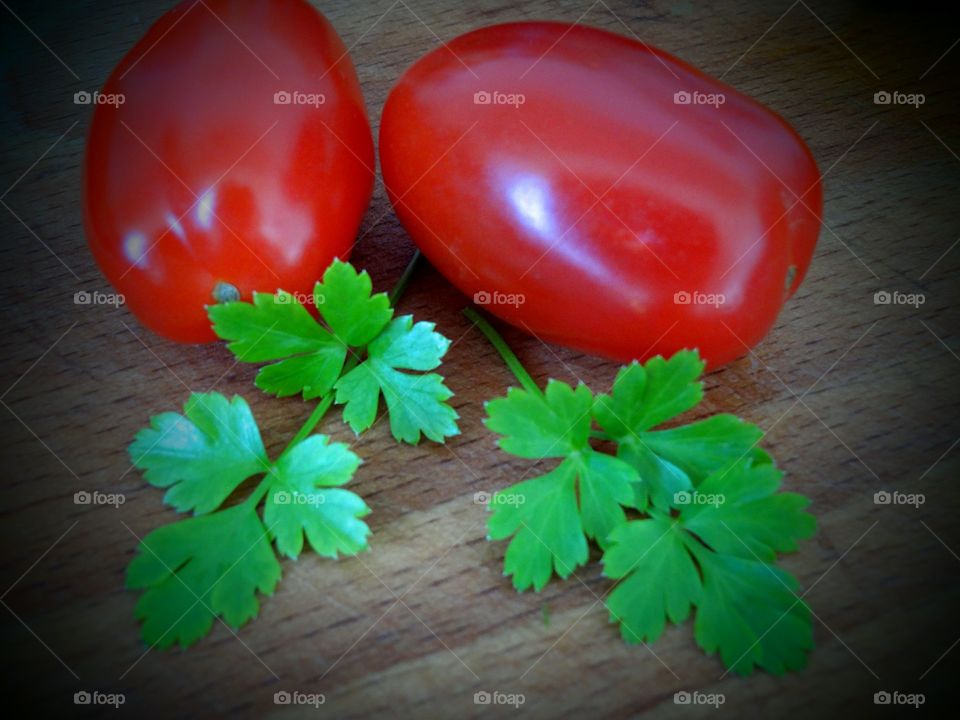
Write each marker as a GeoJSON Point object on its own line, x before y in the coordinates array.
{"type": "Point", "coordinates": [229, 151]}
{"type": "Point", "coordinates": [600, 193]}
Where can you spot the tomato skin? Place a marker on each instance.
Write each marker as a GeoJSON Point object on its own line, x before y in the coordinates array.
{"type": "Point", "coordinates": [200, 178]}
{"type": "Point", "coordinates": [503, 198]}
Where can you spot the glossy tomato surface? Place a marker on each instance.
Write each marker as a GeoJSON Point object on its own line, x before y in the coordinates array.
{"type": "Point", "coordinates": [600, 193]}
{"type": "Point", "coordinates": [240, 156]}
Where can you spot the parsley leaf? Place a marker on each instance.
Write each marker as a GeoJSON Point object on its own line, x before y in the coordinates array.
{"type": "Point", "coordinates": [543, 514]}
{"type": "Point", "coordinates": [752, 616]}
{"type": "Point", "coordinates": [277, 327]}
{"type": "Point", "coordinates": [717, 555]}
{"type": "Point", "coordinates": [310, 357]}
{"type": "Point", "coordinates": [661, 580]}
{"type": "Point", "coordinates": [551, 526]}
{"type": "Point", "coordinates": [646, 395]}
{"type": "Point", "coordinates": [198, 568]}
{"type": "Point", "coordinates": [669, 462]}
{"type": "Point", "coordinates": [748, 518]}
{"type": "Point", "coordinates": [214, 564]}
{"type": "Point", "coordinates": [345, 301]}
{"type": "Point", "coordinates": [202, 455]}
{"type": "Point", "coordinates": [706, 518]}
{"type": "Point", "coordinates": [416, 403]}
{"type": "Point", "coordinates": [303, 498]}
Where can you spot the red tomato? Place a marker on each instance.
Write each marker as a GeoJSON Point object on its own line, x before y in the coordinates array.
{"type": "Point", "coordinates": [600, 193]}
{"type": "Point", "coordinates": [239, 158]}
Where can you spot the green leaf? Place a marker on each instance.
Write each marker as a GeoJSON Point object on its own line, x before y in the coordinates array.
{"type": "Point", "coordinates": [278, 327]}
{"type": "Point", "coordinates": [714, 521]}
{"type": "Point", "coordinates": [309, 358]}
{"type": "Point", "coordinates": [744, 515]}
{"type": "Point", "coordinates": [658, 480]}
{"type": "Point", "coordinates": [551, 526]}
{"type": "Point", "coordinates": [542, 515]}
{"type": "Point", "coordinates": [606, 483]}
{"type": "Point", "coordinates": [702, 447]}
{"type": "Point", "coordinates": [646, 395]}
{"type": "Point", "coordinates": [345, 300]}
{"type": "Point", "coordinates": [202, 455]}
{"type": "Point", "coordinates": [661, 582]}
{"type": "Point", "coordinates": [556, 424]}
{"type": "Point", "coordinates": [199, 568]}
{"type": "Point", "coordinates": [675, 460]}
{"type": "Point", "coordinates": [731, 528]}
{"type": "Point", "coordinates": [537, 427]}
{"type": "Point", "coordinates": [304, 499]}
{"type": "Point", "coordinates": [416, 403]}
{"type": "Point", "coordinates": [751, 615]}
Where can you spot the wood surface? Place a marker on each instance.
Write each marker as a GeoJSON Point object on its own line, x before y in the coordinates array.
{"type": "Point", "coordinates": [854, 397]}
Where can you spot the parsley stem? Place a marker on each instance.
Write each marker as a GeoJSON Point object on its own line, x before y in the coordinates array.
{"type": "Point", "coordinates": [315, 417]}
{"type": "Point", "coordinates": [512, 361]}
{"type": "Point", "coordinates": [257, 495]}
{"type": "Point", "coordinates": [404, 280]}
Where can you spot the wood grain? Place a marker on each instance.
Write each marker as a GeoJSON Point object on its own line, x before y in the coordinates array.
{"type": "Point", "coordinates": [416, 626]}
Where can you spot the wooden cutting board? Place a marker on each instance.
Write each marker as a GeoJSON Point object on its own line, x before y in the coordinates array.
{"type": "Point", "coordinates": [855, 398]}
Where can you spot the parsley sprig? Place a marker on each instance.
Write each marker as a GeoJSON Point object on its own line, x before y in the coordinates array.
{"type": "Point", "coordinates": [687, 517]}
{"type": "Point", "coordinates": [220, 561]}
{"type": "Point", "coordinates": [216, 562]}
{"type": "Point", "coordinates": [357, 348]}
